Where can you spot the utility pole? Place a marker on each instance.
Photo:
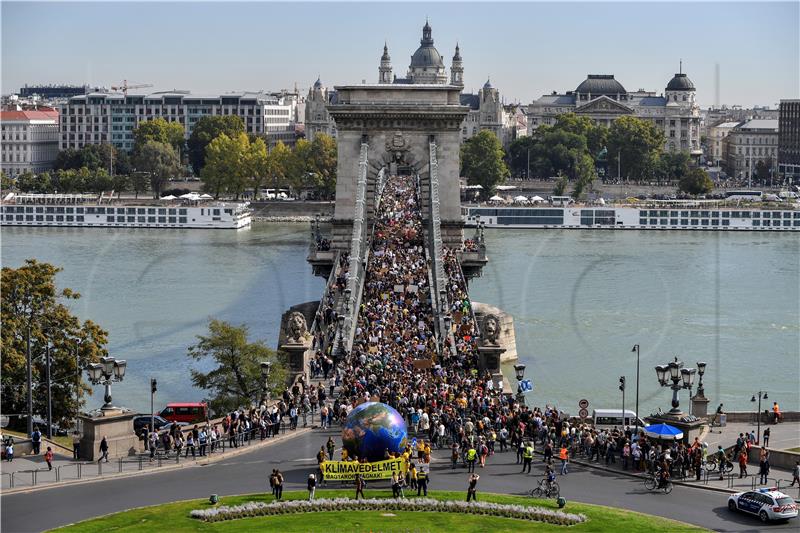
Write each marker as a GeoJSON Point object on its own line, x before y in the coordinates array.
{"type": "Point", "coordinates": [636, 349]}
{"type": "Point", "coordinates": [528, 173]}
{"type": "Point", "coordinates": [153, 389]}
{"type": "Point", "coordinates": [30, 381]}
{"type": "Point", "coordinates": [49, 394]}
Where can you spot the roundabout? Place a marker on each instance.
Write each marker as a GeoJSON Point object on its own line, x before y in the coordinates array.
{"type": "Point", "coordinates": [442, 511]}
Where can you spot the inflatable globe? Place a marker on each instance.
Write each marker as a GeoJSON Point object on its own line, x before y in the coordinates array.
{"type": "Point", "coordinates": [371, 428]}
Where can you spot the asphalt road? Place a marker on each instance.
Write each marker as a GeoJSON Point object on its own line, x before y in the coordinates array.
{"type": "Point", "coordinates": [247, 473]}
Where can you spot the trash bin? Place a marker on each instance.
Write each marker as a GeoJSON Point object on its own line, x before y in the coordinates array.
{"type": "Point", "coordinates": [723, 419]}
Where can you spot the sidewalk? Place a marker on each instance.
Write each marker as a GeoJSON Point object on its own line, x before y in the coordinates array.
{"type": "Point", "coordinates": [729, 484]}
{"type": "Point", "coordinates": [782, 436]}
{"type": "Point", "coordinates": [30, 471]}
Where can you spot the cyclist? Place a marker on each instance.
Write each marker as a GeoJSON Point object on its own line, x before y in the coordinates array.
{"type": "Point", "coordinates": [550, 477]}
{"type": "Point", "coordinates": [721, 460]}
{"type": "Point", "coordinates": [663, 474]}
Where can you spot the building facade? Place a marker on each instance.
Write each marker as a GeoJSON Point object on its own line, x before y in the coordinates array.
{"type": "Point", "coordinates": [749, 143]}
{"type": "Point", "coordinates": [486, 109]}
{"type": "Point", "coordinates": [108, 118]}
{"type": "Point", "coordinates": [317, 119]}
{"type": "Point", "coordinates": [29, 141]}
{"type": "Point", "coordinates": [789, 141]}
{"type": "Point", "coordinates": [604, 99]}
{"type": "Point", "coordinates": [715, 141]}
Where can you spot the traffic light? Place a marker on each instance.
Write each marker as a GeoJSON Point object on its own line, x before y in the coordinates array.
{"type": "Point", "coordinates": [153, 385]}
{"type": "Point", "coordinates": [622, 383]}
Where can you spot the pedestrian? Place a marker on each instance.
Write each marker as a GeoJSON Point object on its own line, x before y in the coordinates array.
{"type": "Point", "coordinates": [76, 445]}
{"type": "Point", "coordinates": [454, 456]}
{"type": "Point", "coordinates": [472, 455]}
{"type": "Point", "coordinates": [359, 485]}
{"type": "Point", "coordinates": [190, 444]}
{"type": "Point", "coordinates": [272, 482]}
{"type": "Point", "coordinates": [422, 482]}
{"type": "Point", "coordinates": [742, 463]}
{"type": "Point", "coordinates": [472, 490]}
{"type": "Point", "coordinates": [153, 444]}
{"type": "Point", "coordinates": [563, 454]}
{"type": "Point", "coordinates": [766, 437]}
{"type": "Point", "coordinates": [395, 485]}
{"type": "Point", "coordinates": [202, 439]}
{"type": "Point", "coordinates": [278, 485]}
{"type": "Point", "coordinates": [527, 457]}
{"type": "Point", "coordinates": [796, 474]}
{"type": "Point", "coordinates": [763, 466]}
{"type": "Point", "coordinates": [48, 457]}
{"type": "Point", "coordinates": [776, 412]}
{"type": "Point", "coordinates": [312, 486]}
{"type": "Point", "coordinates": [103, 449]}
{"type": "Point", "coordinates": [36, 440]}
{"type": "Point", "coordinates": [10, 450]}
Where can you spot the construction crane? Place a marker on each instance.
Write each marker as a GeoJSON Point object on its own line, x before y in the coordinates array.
{"type": "Point", "coordinates": [124, 87]}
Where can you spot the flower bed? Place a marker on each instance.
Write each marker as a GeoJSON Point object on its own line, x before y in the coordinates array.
{"type": "Point", "coordinates": [254, 509]}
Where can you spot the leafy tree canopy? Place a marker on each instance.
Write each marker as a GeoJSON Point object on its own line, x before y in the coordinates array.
{"type": "Point", "coordinates": [33, 308]}
{"type": "Point", "coordinates": [158, 130]}
{"type": "Point", "coordinates": [236, 379]}
{"type": "Point", "coordinates": [482, 162]}
{"type": "Point", "coordinates": [206, 130]}
{"type": "Point", "coordinates": [160, 161]}
{"type": "Point", "coordinates": [696, 182]}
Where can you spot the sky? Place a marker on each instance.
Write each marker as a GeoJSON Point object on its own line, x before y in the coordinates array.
{"type": "Point", "coordinates": [527, 49]}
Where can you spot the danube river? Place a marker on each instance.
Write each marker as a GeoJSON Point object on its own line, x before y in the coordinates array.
{"type": "Point", "coordinates": [581, 300]}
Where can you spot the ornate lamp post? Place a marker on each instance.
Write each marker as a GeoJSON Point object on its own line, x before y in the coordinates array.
{"type": "Point", "coordinates": [636, 349]}
{"type": "Point", "coordinates": [681, 378]}
{"type": "Point", "coordinates": [265, 367]}
{"type": "Point", "coordinates": [762, 395]}
{"type": "Point", "coordinates": [519, 373]}
{"type": "Point", "coordinates": [107, 371]}
{"type": "Point", "coordinates": [347, 295]}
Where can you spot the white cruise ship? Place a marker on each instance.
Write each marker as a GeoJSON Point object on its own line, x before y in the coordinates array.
{"type": "Point", "coordinates": [668, 217]}
{"type": "Point", "coordinates": [93, 211]}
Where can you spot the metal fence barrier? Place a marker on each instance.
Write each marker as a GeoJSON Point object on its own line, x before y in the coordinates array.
{"type": "Point", "coordinates": [10, 479]}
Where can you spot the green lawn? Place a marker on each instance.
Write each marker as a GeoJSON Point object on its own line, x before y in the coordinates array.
{"type": "Point", "coordinates": [64, 440]}
{"type": "Point", "coordinates": [175, 517]}
{"type": "Point", "coordinates": [796, 450]}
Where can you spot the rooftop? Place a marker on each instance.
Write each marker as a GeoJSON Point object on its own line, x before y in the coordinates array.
{"type": "Point", "coordinates": [29, 115]}
{"type": "Point", "coordinates": [760, 124]}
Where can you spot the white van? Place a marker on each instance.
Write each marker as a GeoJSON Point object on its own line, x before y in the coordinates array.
{"type": "Point", "coordinates": [609, 418]}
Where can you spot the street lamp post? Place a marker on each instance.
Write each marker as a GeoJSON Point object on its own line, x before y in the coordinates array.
{"type": "Point", "coordinates": [265, 368]}
{"type": "Point", "coordinates": [636, 349]}
{"type": "Point", "coordinates": [761, 395]}
{"type": "Point", "coordinates": [681, 378]}
{"type": "Point", "coordinates": [30, 380]}
{"type": "Point", "coordinates": [622, 388]}
{"type": "Point", "coordinates": [49, 392]}
{"type": "Point", "coordinates": [519, 372]}
{"type": "Point", "coordinates": [107, 371]}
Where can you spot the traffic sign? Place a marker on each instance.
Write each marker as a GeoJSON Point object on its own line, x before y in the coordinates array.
{"type": "Point", "coordinates": [583, 404]}
{"type": "Point", "coordinates": [526, 385]}
{"type": "Point", "coordinates": [414, 443]}
{"type": "Point", "coordinates": [583, 413]}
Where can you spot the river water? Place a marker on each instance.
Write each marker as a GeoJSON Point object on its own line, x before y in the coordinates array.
{"type": "Point", "coordinates": [580, 299]}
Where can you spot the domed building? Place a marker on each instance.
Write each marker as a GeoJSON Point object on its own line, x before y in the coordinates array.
{"type": "Point", "coordinates": [604, 99]}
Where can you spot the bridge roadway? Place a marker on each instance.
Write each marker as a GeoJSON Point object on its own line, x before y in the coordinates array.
{"type": "Point", "coordinates": [248, 473]}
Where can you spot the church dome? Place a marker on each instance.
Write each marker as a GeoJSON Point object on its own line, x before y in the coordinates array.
{"type": "Point", "coordinates": [598, 84]}
{"type": "Point", "coordinates": [488, 84]}
{"type": "Point", "coordinates": [680, 82]}
{"type": "Point", "coordinates": [427, 56]}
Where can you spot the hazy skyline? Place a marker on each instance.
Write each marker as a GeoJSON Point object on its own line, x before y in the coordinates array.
{"type": "Point", "coordinates": [528, 49]}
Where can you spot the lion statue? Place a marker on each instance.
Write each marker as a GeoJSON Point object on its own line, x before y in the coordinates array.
{"type": "Point", "coordinates": [296, 328]}
{"type": "Point", "coordinates": [491, 329]}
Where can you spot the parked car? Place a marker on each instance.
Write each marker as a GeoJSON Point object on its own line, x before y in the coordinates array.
{"type": "Point", "coordinates": [140, 421]}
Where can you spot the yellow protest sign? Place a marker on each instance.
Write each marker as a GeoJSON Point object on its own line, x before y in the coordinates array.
{"type": "Point", "coordinates": [347, 470]}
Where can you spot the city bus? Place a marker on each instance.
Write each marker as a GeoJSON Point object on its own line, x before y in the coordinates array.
{"type": "Point", "coordinates": [745, 196]}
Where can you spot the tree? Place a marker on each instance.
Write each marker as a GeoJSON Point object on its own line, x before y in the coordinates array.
{"type": "Point", "coordinates": [324, 162]}
{"type": "Point", "coordinates": [300, 167]}
{"type": "Point", "coordinates": [672, 167]}
{"type": "Point", "coordinates": [140, 182]}
{"type": "Point", "coordinates": [696, 182]}
{"type": "Point", "coordinates": [6, 182]}
{"type": "Point", "coordinates": [158, 130]}
{"type": "Point", "coordinates": [28, 182]}
{"type": "Point", "coordinates": [225, 169]}
{"type": "Point", "coordinates": [639, 143]}
{"type": "Point", "coordinates": [561, 186]}
{"type": "Point", "coordinates": [762, 170]}
{"type": "Point", "coordinates": [206, 130]}
{"type": "Point", "coordinates": [519, 153]}
{"type": "Point", "coordinates": [257, 162]}
{"type": "Point", "coordinates": [584, 173]}
{"type": "Point", "coordinates": [482, 161]}
{"type": "Point", "coordinates": [594, 134]}
{"type": "Point", "coordinates": [236, 380]}
{"type": "Point", "coordinates": [281, 163]}
{"type": "Point", "coordinates": [33, 308]}
{"type": "Point", "coordinates": [159, 160]}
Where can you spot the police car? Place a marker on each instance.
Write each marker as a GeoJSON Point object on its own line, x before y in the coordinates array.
{"type": "Point", "coordinates": [767, 504]}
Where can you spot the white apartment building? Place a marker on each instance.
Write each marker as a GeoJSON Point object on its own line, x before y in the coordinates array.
{"type": "Point", "coordinates": [99, 118]}
{"type": "Point", "coordinates": [29, 141]}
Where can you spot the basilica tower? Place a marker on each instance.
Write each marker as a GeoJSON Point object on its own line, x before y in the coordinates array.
{"type": "Point", "coordinates": [385, 70]}
{"type": "Point", "coordinates": [457, 69]}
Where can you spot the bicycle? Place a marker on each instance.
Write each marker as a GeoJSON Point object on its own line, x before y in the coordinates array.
{"type": "Point", "coordinates": [545, 490]}
{"type": "Point", "coordinates": [712, 463]}
{"type": "Point", "coordinates": [652, 482]}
